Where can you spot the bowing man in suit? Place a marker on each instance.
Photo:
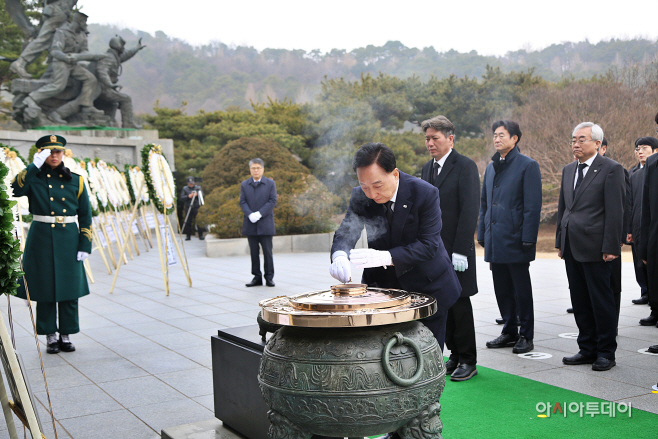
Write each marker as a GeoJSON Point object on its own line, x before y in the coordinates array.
{"type": "Point", "coordinates": [458, 181]}
{"type": "Point", "coordinates": [402, 217]}
{"type": "Point", "coordinates": [590, 220]}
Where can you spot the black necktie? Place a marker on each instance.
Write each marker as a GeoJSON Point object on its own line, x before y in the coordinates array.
{"type": "Point", "coordinates": [389, 211]}
{"type": "Point", "coordinates": [581, 166]}
{"type": "Point", "coordinates": [435, 172]}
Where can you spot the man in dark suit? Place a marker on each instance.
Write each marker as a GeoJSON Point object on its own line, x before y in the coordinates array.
{"type": "Point", "coordinates": [648, 245]}
{"type": "Point", "coordinates": [402, 217]}
{"type": "Point", "coordinates": [510, 208]}
{"type": "Point", "coordinates": [589, 229]}
{"type": "Point", "coordinates": [458, 181]}
{"type": "Point", "coordinates": [644, 148]}
{"type": "Point", "coordinates": [257, 201]}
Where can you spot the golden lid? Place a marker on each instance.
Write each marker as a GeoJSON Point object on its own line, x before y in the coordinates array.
{"type": "Point", "coordinates": [348, 305]}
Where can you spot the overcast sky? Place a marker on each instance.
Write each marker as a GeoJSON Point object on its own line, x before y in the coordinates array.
{"type": "Point", "coordinates": [462, 25]}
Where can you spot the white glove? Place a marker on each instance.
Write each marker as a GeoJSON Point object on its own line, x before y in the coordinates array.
{"type": "Point", "coordinates": [40, 157]}
{"type": "Point", "coordinates": [341, 269]}
{"type": "Point", "coordinates": [460, 262]}
{"type": "Point", "coordinates": [255, 216]}
{"type": "Point", "coordinates": [82, 256]}
{"type": "Point", "coordinates": [368, 258]}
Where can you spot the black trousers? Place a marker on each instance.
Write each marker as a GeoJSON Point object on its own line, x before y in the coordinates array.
{"type": "Point", "coordinates": [265, 242]}
{"type": "Point", "coordinates": [191, 221]}
{"type": "Point", "coordinates": [513, 290]}
{"type": "Point", "coordinates": [615, 282]}
{"type": "Point", "coordinates": [640, 270]}
{"type": "Point", "coordinates": [69, 322]}
{"type": "Point", "coordinates": [460, 332]}
{"type": "Point", "coordinates": [437, 324]}
{"type": "Point", "coordinates": [594, 305]}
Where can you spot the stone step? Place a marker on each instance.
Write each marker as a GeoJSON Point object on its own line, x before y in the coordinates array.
{"type": "Point", "coordinates": [210, 429]}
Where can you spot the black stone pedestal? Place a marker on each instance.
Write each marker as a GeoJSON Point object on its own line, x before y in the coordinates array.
{"type": "Point", "coordinates": [236, 354]}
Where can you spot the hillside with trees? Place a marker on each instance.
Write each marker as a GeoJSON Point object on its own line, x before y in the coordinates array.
{"type": "Point", "coordinates": [216, 76]}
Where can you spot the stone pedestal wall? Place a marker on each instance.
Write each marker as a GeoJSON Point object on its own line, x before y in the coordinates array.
{"type": "Point", "coordinates": [116, 146]}
{"type": "Point", "coordinates": [317, 242]}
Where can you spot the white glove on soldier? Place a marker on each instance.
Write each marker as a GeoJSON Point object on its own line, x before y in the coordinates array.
{"type": "Point", "coordinates": [460, 262]}
{"type": "Point", "coordinates": [255, 216]}
{"type": "Point", "coordinates": [341, 269]}
{"type": "Point", "coordinates": [368, 258]}
{"type": "Point", "coordinates": [82, 256]}
{"type": "Point", "coordinates": [40, 158]}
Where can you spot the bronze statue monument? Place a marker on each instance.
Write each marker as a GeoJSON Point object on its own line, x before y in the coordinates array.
{"type": "Point", "coordinates": [78, 88]}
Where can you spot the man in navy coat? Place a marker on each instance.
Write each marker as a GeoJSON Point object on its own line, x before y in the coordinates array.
{"type": "Point", "coordinates": [510, 208]}
{"type": "Point", "coordinates": [257, 201]}
{"type": "Point", "coordinates": [402, 217]}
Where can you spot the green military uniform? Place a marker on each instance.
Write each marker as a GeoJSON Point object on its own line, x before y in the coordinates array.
{"type": "Point", "coordinates": [52, 271]}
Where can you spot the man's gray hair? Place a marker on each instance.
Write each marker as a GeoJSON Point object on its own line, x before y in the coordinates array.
{"type": "Point", "coordinates": [597, 131]}
{"type": "Point", "coordinates": [439, 123]}
{"type": "Point", "coordinates": [257, 161]}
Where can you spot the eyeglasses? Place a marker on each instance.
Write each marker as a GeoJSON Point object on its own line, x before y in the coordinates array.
{"type": "Point", "coordinates": [581, 141]}
{"type": "Point", "coordinates": [641, 147]}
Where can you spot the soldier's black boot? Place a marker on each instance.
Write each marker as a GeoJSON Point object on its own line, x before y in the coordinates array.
{"type": "Point", "coordinates": [65, 344]}
{"type": "Point", "coordinates": [52, 344]}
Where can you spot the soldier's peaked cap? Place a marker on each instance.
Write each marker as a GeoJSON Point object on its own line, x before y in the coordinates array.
{"type": "Point", "coordinates": [51, 142]}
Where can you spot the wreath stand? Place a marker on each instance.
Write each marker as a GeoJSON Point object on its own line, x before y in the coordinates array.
{"type": "Point", "coordinates": [164, 232]}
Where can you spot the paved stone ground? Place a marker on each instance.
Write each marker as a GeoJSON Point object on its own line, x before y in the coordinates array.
{"type": "Point", "coordinates": [143, 359]}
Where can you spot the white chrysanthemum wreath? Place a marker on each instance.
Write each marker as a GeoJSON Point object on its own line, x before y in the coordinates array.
{"type": "Point", "coordinates": [159, 178]}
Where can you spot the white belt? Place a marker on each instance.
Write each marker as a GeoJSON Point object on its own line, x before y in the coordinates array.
{"type": "Point", "coordinates": [54, 219]}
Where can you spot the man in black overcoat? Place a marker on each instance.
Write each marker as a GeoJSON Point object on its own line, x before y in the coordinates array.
{"type": "Point", "coordinates": [644, 148]}
{"type": "Point", "coordinates": [648, 245]}
{"type": "Point", "coordinates": [257, 201]}
{"type": "Point", "coordinates": [458, 181]}
{"type": "Point", "coordinates": [589, 230]}
{"type": "Point", "coordinates": [402, 217]}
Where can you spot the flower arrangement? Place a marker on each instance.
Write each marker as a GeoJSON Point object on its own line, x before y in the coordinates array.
{"type": "Point", "coordinates": [135, 179]}
{"type": "Point", "coordinates": [10, 267]}
{"type": "Point", "coordinates": [159, 179]}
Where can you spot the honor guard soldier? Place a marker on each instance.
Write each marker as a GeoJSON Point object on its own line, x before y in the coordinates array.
{"type": "Point", "coordinates": [58, 241]}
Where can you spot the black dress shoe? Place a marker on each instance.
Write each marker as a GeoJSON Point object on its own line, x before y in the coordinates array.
{"type": "Point", "coordinates": [188, 238]}
{"type": "Point", "coordinates": [578, 359]}
{"type": "Point", "coordinates": [642, 300]}
{"type": "Point", "coordinates": [500, 321]}
{"type": "Point", "coordinates": [649, 321]}
{"type": "Point", "coordinates": [464, 372]}
{"type": "Point", "coordinates": [570, 310]}
{"type": "Point", "coordinates": [201, 238]}
{"type": "Point", "coordinates": [269, 283]}
{"type": "Point", "coordinates": [451, 365]}
{"type": "Point", "coordinates": [65, 346]}
{"type": "Point", "coordinates": [256, 281]}
{"type": "Point", "coordinates": [653, 349]}
{"type": "Point", "coordinates": [503, 341]}
{"type": "Point", "coordinates": [523, 345]}
{"type": "Point", "coordinates": [602, 364]}
{"type": "Point", "coordinates": [53, 348]}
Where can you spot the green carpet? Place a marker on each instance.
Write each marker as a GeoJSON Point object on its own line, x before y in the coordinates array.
{"type": "Point", "coordinates": [495, 404]}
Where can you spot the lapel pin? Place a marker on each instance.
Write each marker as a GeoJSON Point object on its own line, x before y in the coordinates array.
{"type": "Point", "coordinates": [595, 170]}
{"type": "Point", "coordinates": [404, 205]}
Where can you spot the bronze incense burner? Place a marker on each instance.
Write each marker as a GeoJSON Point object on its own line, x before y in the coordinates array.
{"type": "Point", "coordinates": [352, 362]}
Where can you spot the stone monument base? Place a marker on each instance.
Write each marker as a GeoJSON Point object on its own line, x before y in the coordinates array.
{"type": "Point", "coordinates": [116, 146]}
